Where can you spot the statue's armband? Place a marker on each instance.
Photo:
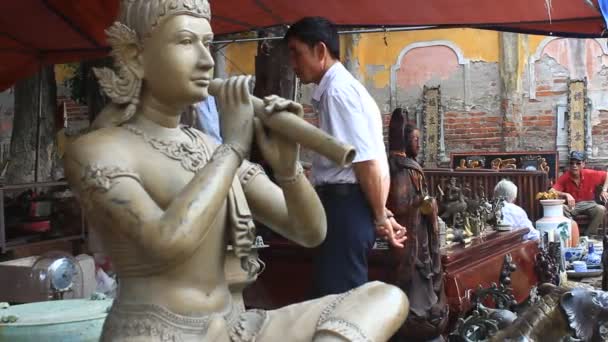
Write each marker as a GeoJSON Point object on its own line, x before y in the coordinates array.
{"type": "Point", "coordinates": [101, 179]}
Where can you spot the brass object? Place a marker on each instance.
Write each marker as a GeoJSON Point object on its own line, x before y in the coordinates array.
{"type": "Point", "coordinates": [426, 207]}
{"type": "Point", "coordinates": [551, 194]}
{"type": "Point", "coordinates": [499, 163]}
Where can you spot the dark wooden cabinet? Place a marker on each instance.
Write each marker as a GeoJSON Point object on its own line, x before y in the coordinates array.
{"type": "Point", "coordinates": [289, 270]}
{"type": "Point", "coordinates": [480, 264]}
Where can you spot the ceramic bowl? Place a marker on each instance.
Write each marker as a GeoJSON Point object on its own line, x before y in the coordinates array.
{"type": "Point", "coordinates": [579, 266]}
{"type": "Point", "coordinates": [573, 253]}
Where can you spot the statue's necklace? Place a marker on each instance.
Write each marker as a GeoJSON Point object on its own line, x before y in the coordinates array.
{"type": "Point", "coordinates": [192, 155]}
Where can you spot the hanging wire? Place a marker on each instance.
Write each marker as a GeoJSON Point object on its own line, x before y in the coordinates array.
{"type": "Point", "coordinates": [549, 7]}
{"type": "Point", "coordinates": [369, 30]}
{"type": "Point", "coordinates": [384, 38]}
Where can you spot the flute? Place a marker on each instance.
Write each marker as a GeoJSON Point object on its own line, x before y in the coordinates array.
{"type": "Point", "coordinates": [299, 130]}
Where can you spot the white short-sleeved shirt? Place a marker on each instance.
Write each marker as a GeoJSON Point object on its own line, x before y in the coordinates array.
{"type": "Point", "coordinates": [349, 113]}
{"type": "Point", "coordinates": [516, 217]}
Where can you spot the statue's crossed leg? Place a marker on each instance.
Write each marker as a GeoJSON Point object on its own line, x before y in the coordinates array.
{"type": "Point", "coordinates": [371, 312]}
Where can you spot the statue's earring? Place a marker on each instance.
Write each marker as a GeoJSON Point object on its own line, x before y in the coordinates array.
{"type": "Point", "coordinates": [132, 107]}
{"type": "Point", "coordinates": [123, 88]}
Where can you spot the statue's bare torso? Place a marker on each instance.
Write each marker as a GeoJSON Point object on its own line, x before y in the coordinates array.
{"type": "Point", "coordinates": [185, 285]}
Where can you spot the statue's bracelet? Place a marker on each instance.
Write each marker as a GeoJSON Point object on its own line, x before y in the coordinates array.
{"type": "Point", "coordinates": [224, 149]}
{"type": "Point", "coordinates": [291, 179]}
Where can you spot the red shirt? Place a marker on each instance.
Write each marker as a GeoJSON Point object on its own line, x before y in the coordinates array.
{"type": "Point", "coordinates": [590, 179]}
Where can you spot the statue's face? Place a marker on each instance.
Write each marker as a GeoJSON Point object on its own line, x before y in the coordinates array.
{"type": "Point", "coordinates": [177, 64]}
{"type": "Point", "coordinates": [412, 145]}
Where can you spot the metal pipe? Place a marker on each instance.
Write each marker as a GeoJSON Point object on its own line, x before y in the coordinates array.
{"type": "Point", "coordinates": [370, 30]}
{"type": "Point", "coordinates": [10, 245]}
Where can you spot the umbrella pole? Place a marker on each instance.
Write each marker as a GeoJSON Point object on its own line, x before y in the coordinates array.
{"type": "Point", "coordinates": [38, 118]}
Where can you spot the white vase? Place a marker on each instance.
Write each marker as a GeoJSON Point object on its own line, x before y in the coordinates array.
{"type": "Point", "coordinates": [553, 218]}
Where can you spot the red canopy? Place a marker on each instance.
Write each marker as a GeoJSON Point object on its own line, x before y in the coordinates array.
{"type": "Point", "coordinates": [38, 32]}
{"type": "Point", "coordinates": [565, 17]}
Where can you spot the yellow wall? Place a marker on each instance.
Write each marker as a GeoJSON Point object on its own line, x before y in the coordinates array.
{"type": "Point", "coordinates": [64, 72]}
{"type": "Point", "coordinates": [374, 49]}
{"type": "Point", "coordinates": [528, 44]}
{"type": "Point", "coordinates": [534, 41]}
{"type": "Point", "coordinates": [382, 49]}
{"type": "Point", "coordinates": [240, 58]}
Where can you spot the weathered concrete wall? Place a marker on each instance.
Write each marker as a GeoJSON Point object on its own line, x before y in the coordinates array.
{"type": "Point", "coordinates": [539, 126]}
{"type": "Point", "coordinates": [551, 65]}
{"type": "Point", "coordinates": [476, 124]}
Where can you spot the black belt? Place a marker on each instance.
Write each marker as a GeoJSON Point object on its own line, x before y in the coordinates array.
{"type": "Point", "coordinates": [338, 189]}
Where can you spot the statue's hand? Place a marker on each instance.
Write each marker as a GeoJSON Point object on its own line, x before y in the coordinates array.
{"type": "Point", "coordinates": [279, 151]}
{"type": "Point", "coordinates": [236, 119]}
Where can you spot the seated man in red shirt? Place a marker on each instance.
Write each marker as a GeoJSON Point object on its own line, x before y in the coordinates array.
{"type": "Point", "coordinates": [577, 186]}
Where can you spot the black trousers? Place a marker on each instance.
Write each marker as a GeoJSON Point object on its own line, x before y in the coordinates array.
{"type": "Point", "coordinates": [341, 261]}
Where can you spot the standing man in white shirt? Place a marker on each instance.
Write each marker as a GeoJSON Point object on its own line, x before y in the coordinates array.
{"type": "Point", "coordinates": [354, 198]}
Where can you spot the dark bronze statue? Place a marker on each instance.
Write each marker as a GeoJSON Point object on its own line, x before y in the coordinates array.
{"type": "Point", "coordinates": [547, 264]}
{"type": "Point", "coordinates": [562, 314]}
{"type": "Point", "coordinates": [453, 201]}
{"type": "Point", "coordinates": [420, 272]}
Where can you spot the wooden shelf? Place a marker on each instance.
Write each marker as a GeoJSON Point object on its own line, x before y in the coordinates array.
{"type": "Point", "coordinates": [14, 243]}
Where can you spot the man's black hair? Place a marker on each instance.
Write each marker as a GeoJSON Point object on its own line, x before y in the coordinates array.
{"type": "Point", "coordinates": [313, 30]}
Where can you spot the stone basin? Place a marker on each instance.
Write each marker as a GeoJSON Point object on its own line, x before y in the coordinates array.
{"type": "Point", "coordinates": [70, 320]}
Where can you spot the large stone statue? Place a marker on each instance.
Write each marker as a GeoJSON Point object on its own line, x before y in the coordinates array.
{"type": "Point", "coordinates": [166, 200]}
{"type": "Point", "coordinates": [420, 272]}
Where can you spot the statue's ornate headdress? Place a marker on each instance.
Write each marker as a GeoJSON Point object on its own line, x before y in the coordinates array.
{"type": "Point", "coordinates": [136, 21]}
{"type": "Point", "coordinates": [143, 16]}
